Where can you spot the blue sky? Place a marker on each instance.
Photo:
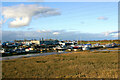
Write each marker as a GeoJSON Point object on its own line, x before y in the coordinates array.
{"type": "Point", "coordinates": [75, 16]}
{"type": "Point", "coordinates": [59, 0]}
{"type": "Point", "coordinates": [81, 17]}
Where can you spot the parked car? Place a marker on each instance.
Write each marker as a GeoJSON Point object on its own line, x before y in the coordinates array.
{"type": "Point", "coordinates": [23, 50]}
{"type": "Point", "coordinates": [2, 50]}
{"type": "Point", "coordinates": [17, 51]}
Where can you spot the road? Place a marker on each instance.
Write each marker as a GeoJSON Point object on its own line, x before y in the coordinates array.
{"type": "Point", "coordinates": [40, 54]}
{"type": "Point", "coordinates": [29, 55]}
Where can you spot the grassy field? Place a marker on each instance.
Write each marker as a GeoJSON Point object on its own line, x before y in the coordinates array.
{"type": "Point", "coordinates": [84, 64]}
{"type": "Point", "coordinates": [102, 42]}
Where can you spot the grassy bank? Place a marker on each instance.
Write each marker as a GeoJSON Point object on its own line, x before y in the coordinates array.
{"type": "Point", "coordinates": [76, 64]}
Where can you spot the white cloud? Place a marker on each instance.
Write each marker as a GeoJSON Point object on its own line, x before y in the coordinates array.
{"type": "Point", "coordinates": [43, 31]}
{"type": "Point", "coordinates": [102, 18]}
{"type": "Point", "coordinates": [56, 33]}
{"type": "Point", "coordinates": [116, 34]}
{"type": "Point", "coordinates": [12, 35]}
{"type": "Point", "coordinates": [20, 22]}
{"type": "Point", "coordinates": [22, 14]}
{"type": "Point", "coordinates": [112, 33]}
{"type": "Point", "coordinates": [2, 21]}
{"type": "Point", "coordinates": [107, 33]}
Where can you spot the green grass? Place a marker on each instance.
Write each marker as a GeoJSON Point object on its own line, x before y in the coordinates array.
{"type": "Point", "coordinates": [76, 64]}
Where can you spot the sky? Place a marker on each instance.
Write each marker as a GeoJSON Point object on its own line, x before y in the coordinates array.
{"type": "Point", "coordinates": [60, 20]}
{"type": "Point", "coordinates": [60, 0]}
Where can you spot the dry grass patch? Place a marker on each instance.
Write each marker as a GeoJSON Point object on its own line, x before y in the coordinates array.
{"type": "Point", "coordinates": [114, 48]}
{"type": "Point", "coordinates": [84, 64]}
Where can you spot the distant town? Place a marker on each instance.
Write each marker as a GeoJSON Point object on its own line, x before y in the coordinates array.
{"type": "Point", "coordinates": [17, 47]}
